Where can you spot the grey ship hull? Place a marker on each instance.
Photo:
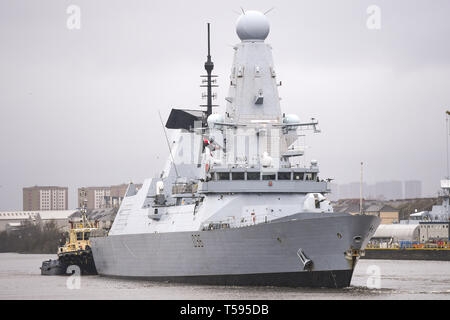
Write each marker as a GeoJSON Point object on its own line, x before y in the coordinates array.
{"type": "Point", "coordinates": [260, 255]}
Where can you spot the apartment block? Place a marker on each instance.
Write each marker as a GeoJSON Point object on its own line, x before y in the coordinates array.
{"type": "Point", "coordinates": [413, 189]}
{"type": "Point", "coordinates": [102, 197]}
{"type": "Point", "coordinates": [45, 198]}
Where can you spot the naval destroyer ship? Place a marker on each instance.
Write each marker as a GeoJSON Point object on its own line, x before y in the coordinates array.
{"type": "Point", "coordinates": [232, 205]}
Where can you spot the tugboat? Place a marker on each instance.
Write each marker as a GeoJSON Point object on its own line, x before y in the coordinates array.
{"type": "Point", "coordinates": [76, 251]}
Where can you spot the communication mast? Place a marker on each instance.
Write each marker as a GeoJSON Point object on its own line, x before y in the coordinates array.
{"type": "Point", "coordinates": [209, 83]}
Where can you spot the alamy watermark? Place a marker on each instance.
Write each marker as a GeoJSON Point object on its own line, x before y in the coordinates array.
{"type": "Point", "coordinates": [374, 279]}
{"type": "Point", "coordinates": [74, 280]}
{"type": "Point", "coordinates": [374, 20]}
{"type": "Point", "coordinates": [74, 19]}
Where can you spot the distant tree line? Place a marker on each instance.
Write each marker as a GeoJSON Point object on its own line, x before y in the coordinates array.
{"type": "Point", "coordinates": [32, 238]}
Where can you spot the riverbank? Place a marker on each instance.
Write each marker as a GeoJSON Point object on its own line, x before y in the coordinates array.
{"type": "Point", "coordinates": [32, 238]}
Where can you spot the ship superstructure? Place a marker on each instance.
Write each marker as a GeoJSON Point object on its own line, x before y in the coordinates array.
{"type": "Point", "coordinates": [231, 205]}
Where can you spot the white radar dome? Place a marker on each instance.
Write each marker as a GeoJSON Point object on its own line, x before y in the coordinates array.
{"type": "Point", "coordinates": [214, 121]}
{"type": "Point", "coordinates": [253, 25]}
{"type": "Point", "coordinates": [291, 119]}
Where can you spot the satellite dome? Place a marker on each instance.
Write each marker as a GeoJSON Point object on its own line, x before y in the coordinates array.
{"type": "Point", "coordinates": [215, 120]}
{"type": "Point", "coordinates": [252, 25]}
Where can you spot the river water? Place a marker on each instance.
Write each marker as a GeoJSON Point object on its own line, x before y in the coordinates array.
{"type": "Point", "coordinates": [373, 279]}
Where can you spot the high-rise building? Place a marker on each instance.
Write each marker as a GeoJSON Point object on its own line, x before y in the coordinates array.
{"type": "Point", "coordinates": [102, 197]}
{"type": "Point", "coordinates": [334, 195]}
{"type": "Point", "coordinates": [94, 196]}
{"type": "Point", "coordinates": [383, 190]}
{"type": "Point", "coordinates": [370, 192]}
{"type": "Point", "coordinates": [413, 189]}
{"type": "Point", "coordinates": [45, 198]}
{"type": "Point", "coordinates": [389, 190]}
{"type": "Point", "coordinates": [352, 190]}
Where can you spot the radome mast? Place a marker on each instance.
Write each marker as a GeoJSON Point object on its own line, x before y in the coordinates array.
{"type": "Point", "coordinates": [447, 113]}
{"type": "Point", "coordinates": [210, 82]}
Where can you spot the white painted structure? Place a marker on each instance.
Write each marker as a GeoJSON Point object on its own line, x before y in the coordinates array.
{"type": "Point", "coordinates": [12, 218]}
{"type": "Point", "coordinates": [256, 135]}
{"type": "Point", "coordinates": [397, 232]}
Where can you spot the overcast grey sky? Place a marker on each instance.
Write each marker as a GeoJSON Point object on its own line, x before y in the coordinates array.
{"type": "Point", "coordinates": [79, 107]}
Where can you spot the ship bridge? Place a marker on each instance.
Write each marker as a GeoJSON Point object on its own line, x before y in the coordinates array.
{"type": "Point", "coordinates": [284, 180]}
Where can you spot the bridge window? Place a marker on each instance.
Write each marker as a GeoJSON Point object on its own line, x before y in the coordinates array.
{"type": "Point", "coordinates": [86, 235]}
{"type": "Point", "coordinates": [238, 176]}
{"type": "Point", "coordinates": [284, 176]}
{"type": "Point", "coordinates": [308, 177]}
{"type": "Point", "coordinates": [298, 175]}
{"type": "Point", "coordinates": [223, 176]}
{"type": "Point", "coordinates": [79, 236]}
{"type": "Point", "coordinates": [268, 177]}
{"type": "Point", "coordinates": [253, 176]}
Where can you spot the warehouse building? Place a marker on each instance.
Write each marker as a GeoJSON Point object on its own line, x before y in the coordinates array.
{"type": "Point", "coordinates": [434, 231]}
{"type": "Point", "coordinates": [13, 220]}
{"type": "Point", "coordinates": [388, 233]}
{"type": "Point", "coordinates": [387, 213]}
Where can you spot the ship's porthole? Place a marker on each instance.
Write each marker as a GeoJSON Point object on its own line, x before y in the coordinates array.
{"type": "Point", "coordinates": [339, 235]}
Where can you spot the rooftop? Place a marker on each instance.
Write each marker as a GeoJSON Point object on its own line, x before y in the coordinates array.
{"type": "Point", "coordinates": [42, 214]}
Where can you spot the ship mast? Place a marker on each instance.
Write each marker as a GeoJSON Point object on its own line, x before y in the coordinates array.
{"type": "Point", "coordinates": [83, 210]}
{"type": "Point", "coordinates": [446, 190]}
{"type": "Point", "coordinates": [447, 113]}
{"type": "Point", "coordinates": [361, 191]}
{"type": "Point", "coordinates": [210, 82]}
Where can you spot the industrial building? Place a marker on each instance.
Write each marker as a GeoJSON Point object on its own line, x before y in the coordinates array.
{"type": "Point", "coordinates": [434, 231]}
{"type": "Point", "coordinates": [423, 232]}
{"type": "Point", "coordinates": [386, 213]}
{"type": "Point", "coordinates": [12, 220]}
{"type": "Point", "coordinates": [388, 233]}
